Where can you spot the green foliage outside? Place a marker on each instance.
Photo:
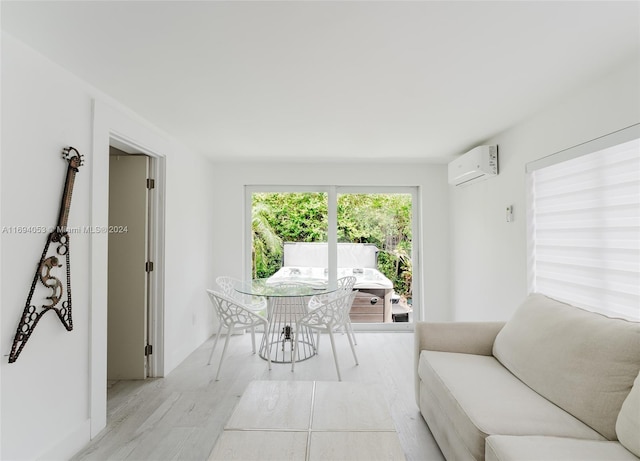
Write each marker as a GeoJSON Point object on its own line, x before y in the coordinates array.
{"type": "Point", "coordinates": [380, 219]}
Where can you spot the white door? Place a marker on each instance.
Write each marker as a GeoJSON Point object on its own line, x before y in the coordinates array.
{"type": "Point", "coordinates": [127, 331]}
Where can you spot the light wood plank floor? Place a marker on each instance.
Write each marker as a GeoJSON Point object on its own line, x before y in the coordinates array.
{"type": "Point", "coordinates": [180, 417]}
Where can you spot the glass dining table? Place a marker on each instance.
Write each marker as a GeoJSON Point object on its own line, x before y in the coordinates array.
{"type": "Point", "coordinates": [287, 302]}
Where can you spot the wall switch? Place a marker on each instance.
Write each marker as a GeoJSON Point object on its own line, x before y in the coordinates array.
{"type": "Point", "coordinates": [510, 213]}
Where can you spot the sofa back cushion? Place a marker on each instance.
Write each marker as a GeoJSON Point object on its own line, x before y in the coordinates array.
{"type": "Point", "coordinates": [628, 423]}
{"type": "Point", "coordinates": [583, 362]}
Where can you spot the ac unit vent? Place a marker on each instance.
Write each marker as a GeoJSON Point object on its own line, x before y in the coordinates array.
{"type": "Point", "coordinates": [476, 165]}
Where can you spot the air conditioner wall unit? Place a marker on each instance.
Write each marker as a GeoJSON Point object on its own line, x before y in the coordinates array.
{"type": "Point", "coordinates": [476, 165]}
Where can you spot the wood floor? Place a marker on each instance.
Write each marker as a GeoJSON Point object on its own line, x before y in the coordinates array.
{"type": "Point", "coordinates": [180, 417]}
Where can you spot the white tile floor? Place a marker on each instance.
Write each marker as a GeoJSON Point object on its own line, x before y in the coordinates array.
{"type": "Point", "coordinates": [183, 415]}
{"type": "Point", "coordinates": [296, 420]}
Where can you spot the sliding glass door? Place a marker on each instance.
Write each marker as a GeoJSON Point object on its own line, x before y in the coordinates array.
{"type": "Point", "coordinates": [330, 232]}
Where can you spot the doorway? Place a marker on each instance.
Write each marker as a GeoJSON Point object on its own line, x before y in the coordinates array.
{"type": "Point", "coordinates": [130, 263]}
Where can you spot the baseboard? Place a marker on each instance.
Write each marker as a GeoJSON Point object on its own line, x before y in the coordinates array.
{"type": "Point", "coordinates": [69, 445]}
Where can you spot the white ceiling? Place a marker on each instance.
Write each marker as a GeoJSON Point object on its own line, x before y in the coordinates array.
{"type": "Point", "coordinates": [301, 80]}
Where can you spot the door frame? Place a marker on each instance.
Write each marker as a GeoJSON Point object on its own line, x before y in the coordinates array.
{"type": "Point", "coordinates": [156, 252]}
{"type": "Point", "coordinates": [332, 192]}
{"type": "Point", "coordinates": [112, 127]}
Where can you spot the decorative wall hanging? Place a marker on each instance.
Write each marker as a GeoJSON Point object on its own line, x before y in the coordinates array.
{"type": "Point", "coordinates": [51, 264]}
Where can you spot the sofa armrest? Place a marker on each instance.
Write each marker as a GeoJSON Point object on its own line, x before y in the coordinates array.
{"type": "Point", "coordinates": [463, 337]}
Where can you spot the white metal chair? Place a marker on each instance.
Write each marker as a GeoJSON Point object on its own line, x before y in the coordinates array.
{"type": "Point", "coordinates": [329, 316]}
{"type": "Point", "coordinates": [345, 285]}
{"type": "Point", "coordinates": [232, 315]}
{"type": "Point", "coordinates": [227, 286]}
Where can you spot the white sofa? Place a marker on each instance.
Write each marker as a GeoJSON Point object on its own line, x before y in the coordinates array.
{"type": "Point", "coordinates": [553, 383]}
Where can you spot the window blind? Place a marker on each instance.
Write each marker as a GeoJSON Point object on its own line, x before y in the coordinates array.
{"type": "Point", "coordinates": [585, 223]}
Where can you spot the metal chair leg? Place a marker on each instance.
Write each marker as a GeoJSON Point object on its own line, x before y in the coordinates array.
{"type": "Point", "coordinates": [215, 343]}
{"type": "Point", "coordinates": [224, 349]}
{"type": "Point", "coordinates": [335, 355]}
{"type": "Point", "coordinates": [353, 349]}
{"type": "Point", "coordinates": [253, 339]}
{"type": "Point", "coordinates": [349, 329]}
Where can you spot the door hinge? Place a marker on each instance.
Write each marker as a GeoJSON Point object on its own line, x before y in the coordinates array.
{"type": "Point", "coordinates": [151, 183]}
{"type": "Point", "coordinates": [148, 267]}
{"type": "Point", "coordinates": [148, 350]}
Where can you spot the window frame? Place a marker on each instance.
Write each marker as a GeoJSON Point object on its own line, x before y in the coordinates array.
{"type": "Point", "coordinates": [332, 192]}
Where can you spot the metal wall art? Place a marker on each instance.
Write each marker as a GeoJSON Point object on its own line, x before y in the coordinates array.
{"type": "Point", "coordinates": [56, 295]}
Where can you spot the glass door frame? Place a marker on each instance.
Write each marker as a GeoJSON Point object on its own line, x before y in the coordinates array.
{"type": "Point", "coordinates": [332, 237]}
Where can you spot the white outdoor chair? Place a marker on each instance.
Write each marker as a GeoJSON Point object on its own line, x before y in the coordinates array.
{"type": "Point", "coordinates": [345, 285]}
{"type": "Point", "coordinates": [227, 286]}
{"type": "Point", "coordinates": [234, 315]}
{"type": "Point", "coordinates": [328, 317]}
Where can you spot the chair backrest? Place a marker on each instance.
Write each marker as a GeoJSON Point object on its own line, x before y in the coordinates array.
{"type": "Point", "coordinates": [345, 309]}
{"type": "Point", "coordinates": [345, 285]}
{"type": "Point", "coordinates": [227, 286]}
{"type": "Point", "coordinates": [231, 312]}
{"type": "Point", "coordinates": [331, 311]}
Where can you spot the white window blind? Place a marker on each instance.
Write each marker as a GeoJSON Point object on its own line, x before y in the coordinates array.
{"type": "Point", "coordinates": [585, 230]}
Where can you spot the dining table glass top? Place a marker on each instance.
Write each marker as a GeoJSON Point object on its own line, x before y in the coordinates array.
{"type": "Point", "coordinates": [285, 288]}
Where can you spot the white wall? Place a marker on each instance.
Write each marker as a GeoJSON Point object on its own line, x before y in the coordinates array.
{"type": "Point", "coordinates": [489, 255]}
{"type": "Point", "coordinates": [230, 180]}
{"type": "Point", "coordinates": [46, 394]}
{"type": "Point", "coordinates": [190, 225]}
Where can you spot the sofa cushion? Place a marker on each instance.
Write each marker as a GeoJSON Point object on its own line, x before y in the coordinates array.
{"type": "Point", "coordinates": [628, 423]}
{"type": "Point", "coordinates": [480, 397]}
{"type": "Point", "coordinates": [583, 362]}
{"type": "Point", "coordinates": [444, 433]}
{"type": "Point", "coordinates": [503, 448]}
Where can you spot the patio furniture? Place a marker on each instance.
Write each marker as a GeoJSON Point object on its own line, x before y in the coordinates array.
{"type": "Point", "coordinates": [345, 285]}
{"type": "Point", "coordinates": [331, 315]}
{"type": "Point", "coordinates": [234, 315]}
{"type": "Point", "coordinates": [253, 302]}
{"type": "Point", "coordinates": [287, 302]}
